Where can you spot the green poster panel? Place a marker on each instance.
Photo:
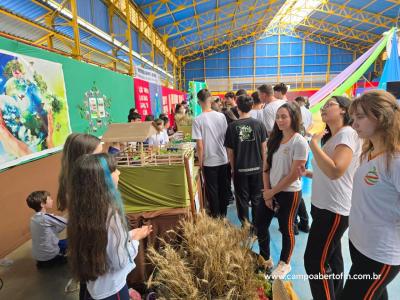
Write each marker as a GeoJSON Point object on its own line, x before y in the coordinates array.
{"type": "Point", "coordinates": [194, 88]}
{"type": "Point", "coordinates": [82, 80]}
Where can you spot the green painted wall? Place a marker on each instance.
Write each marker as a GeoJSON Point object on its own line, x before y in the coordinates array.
{"type": "Point", "coordinates": [79, 78]}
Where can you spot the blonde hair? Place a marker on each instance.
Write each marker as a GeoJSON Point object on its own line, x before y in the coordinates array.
{"type": "Point", "coordinates": [381, 106]}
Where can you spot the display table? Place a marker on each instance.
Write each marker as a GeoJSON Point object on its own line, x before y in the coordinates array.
{"type": "Point", "coordinates": [162, 221]}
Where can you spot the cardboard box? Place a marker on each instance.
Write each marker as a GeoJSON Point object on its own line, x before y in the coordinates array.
{"type": "Point", "coordinates": [128, 132]}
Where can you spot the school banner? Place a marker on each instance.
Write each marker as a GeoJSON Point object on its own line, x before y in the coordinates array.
{"type": "Point", "coordinates": [155, 99]}
{"type": "Point", "coordinates": [170, 98]}
{"type": "Point", "coordinates": [142, 97]}
{"type": "Point", "coordinates": [34, 118]}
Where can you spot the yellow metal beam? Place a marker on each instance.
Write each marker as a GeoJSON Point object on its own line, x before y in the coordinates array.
{"type": "Point", "coordinates": [228, 18]}
{"type": "Point", "coordinates": [222, 36]}
{"type": "Point", "coordinates": [248, 37]}
{"type": "Point", "coordinates": [279, 58]}
{"type": "Point", "coordinates": [129, 36]}
{"type": "Point", "coordinates": [328, 65]}
{"type": "Point", "coordinates": [76, 51]}
{"type": "Point", "coordinates": [347, 12]}
{"type": "Point", "coordinates": [60, 37]}
{"type": "Point", "coordinates": [142, 25]}
{"type": "Point", "coordinates": [178, 7]}
{"type": "Point", "coordinates": [303, 55]}
{"type": "Point", "coordinates": [340, 31]}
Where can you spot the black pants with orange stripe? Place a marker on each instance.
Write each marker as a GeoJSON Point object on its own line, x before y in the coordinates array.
{"type": "Point", "coordinates": [288, 205]}
{"type": "Point", "coordinates": [374, 288]}
{"type": "Point", "coordinates": [323, 258]}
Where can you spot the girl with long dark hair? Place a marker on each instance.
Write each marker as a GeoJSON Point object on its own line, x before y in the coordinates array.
{"type": "Point", "coordinates": [101, 249]}
{"type": "Point", "coordinates": [287, 151]}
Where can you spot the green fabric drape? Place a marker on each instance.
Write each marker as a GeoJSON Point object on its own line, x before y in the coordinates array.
{"type": "Point", "coordinates": [356, 75]}
{"type": "Point", "coordinates": [153, 188]}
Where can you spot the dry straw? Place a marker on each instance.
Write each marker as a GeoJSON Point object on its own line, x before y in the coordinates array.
{"type": "Point", "coordinates": [212, 261]}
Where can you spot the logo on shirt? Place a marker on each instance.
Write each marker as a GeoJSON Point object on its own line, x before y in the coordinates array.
{"type": "Point", "coordinates": [372, 177]}
{"type": "Point", "coordinates": [285, 151]}
{"type": "Point", "coordinates": [246, 134]}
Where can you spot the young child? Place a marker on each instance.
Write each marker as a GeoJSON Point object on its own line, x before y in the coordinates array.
{"type": "Point", "coordinates": [287, 150]}
{"type": "Point", "coordinates": [246, 144]}
{"type": "Point", "coordinates": [47, 248]}
{"type": "Point", "coordinates": [102, 250]}
{"type": "Point", "coordinates": [161, 137]}
{"type": "Point", "coordinates": [374, 221]}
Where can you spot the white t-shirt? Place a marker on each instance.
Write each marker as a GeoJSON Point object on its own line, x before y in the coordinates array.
{"type": "Point", "coordinates": [335, 195]}
{"type": "Point", "coordinates": [158, 138]}
{"type": "Point", "coordinates": [211, 128]}
{"type": "Point", "coordinates": [270, 113]}
{"type": "Point", "coordinates": [257, 114]}
{"type": "Point", "coordinates": [44, 231]}
{"type": "Point", "coordinates": [295, 149]}
{"type": "Point", "coordinates": [120, 260]}
{"type": "Point", "coordinates": [306, 116]}
{"type": "Point", "coordinates": [374, 222]}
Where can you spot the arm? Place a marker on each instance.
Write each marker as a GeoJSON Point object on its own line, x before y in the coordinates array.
{"type": "Point", "coordinates": [57, 223]}
{"type": "Point", "coordinates": [264, 159]}
{"type": "Point", "coordinates": [333, 167]}
{"type": "Point", "coordinates": [288, 180]}
{"type": "Point", "coordinates": [50, 123]}
{"type": "Point", "coordinates": [231, 158]}
{"type": "Point", "coordinates": [10, 143]}
{"type": "Point", "coordinates": [200, 151]}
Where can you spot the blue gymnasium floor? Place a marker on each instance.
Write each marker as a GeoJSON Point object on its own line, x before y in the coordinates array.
{"type": "Point", "coordinates": [301, 286]}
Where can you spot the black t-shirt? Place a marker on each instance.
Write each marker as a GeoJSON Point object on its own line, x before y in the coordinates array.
{"type": "Point", "coordinates": [245, 137]}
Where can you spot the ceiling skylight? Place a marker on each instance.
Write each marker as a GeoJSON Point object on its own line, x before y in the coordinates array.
{"type": "Point", "coordinates": [293, 12]}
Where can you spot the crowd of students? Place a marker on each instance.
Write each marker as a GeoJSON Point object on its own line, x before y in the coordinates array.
{"type": "Point", "coordinates": [261, 143]}
{"type": "Point", "coordinates": [355, 172]}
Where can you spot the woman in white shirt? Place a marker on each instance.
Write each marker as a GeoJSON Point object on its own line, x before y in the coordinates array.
{"type": "Point", "coordinates": [374, 222]}
{"type": "Point", "coordinates": [287, 151]}
{"type": "Point", "coordinates": [333, 165]}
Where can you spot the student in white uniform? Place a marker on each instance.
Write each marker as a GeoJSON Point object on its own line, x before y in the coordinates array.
{"type": "Point", "coordinates": [209, 129]}
{"type": "Point", "coordinates": [271, 106]}
{"type": "Point", "coordinates": [257, 111]}
{"type": "Point", "coordinates": [374, 222]}
{"type": "Point", "coordinates": [305, 114]}
{"type": "Point", "coordinates": [161, 137]}
{"type": "Point", "coordinates": [287, 151]}
{"type": "Point", "coordinates": [101, 249]}
{"type": "Point", "coordinates": [334, 165]}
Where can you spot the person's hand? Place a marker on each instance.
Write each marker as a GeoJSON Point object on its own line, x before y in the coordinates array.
{"type": "Point", "coordinates": [269, 203]}
{"type": "Point", "coordinates": [317, 137]}
{"type": "Point", "coordinates": [141, 233]}
{"type": "Point", "coordinates": [301, 171]}
{"type": "Point", "coordinates": [268, 194]}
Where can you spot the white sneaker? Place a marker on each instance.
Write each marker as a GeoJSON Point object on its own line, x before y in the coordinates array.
{"type": "Point", "coordinates": [281, 270]}
{"type": "Point", "coordinates": [268, 265]}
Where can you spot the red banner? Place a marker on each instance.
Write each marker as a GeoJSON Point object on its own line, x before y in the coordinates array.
{"type": "Point", "coordinates": [170, 98]}
{"type": "Point", "coordinates": [142, 97]}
